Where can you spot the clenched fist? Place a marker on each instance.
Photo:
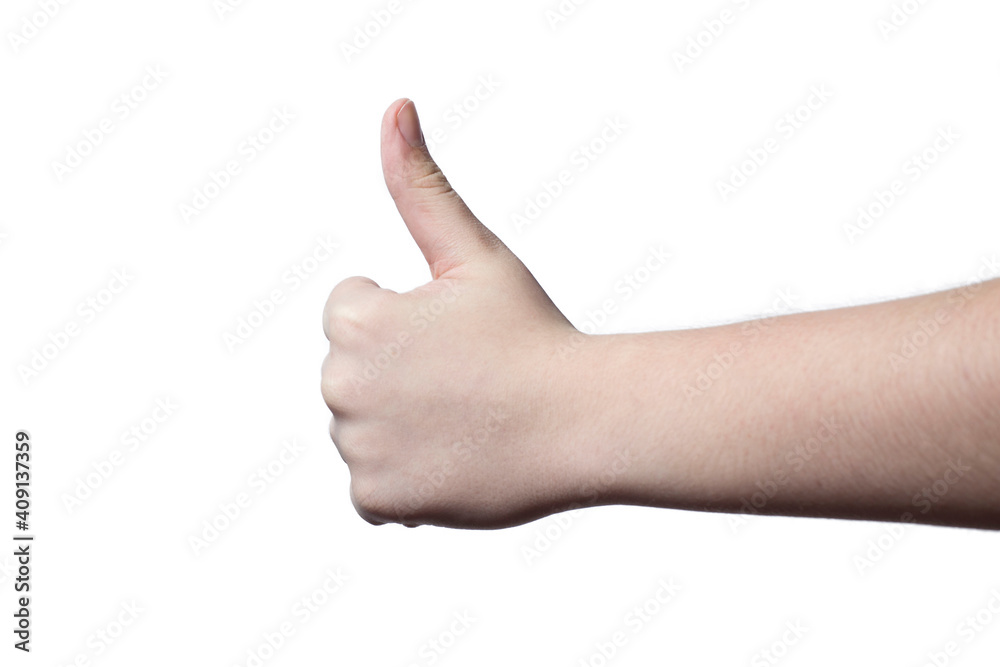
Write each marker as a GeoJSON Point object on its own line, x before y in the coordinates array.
{"type": "Point", "coordinates": [442, 397]}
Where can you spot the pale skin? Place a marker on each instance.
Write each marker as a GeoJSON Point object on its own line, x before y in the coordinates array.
{"type": "Point", "coordinates": [472, 402]}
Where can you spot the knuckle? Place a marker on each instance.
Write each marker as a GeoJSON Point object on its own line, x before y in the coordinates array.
{"type": "Point", "coordinates": [350, 304]}
{"type": "Point", "coordinates": [338, 389]}
{"type": "Point", "coordinates": [369, 500]}
{"type": "Point", "coordinates": [348, 284]}
{"type": "Point", "coordinates": [346, 446]}
{"type": "Point", "coordinates": [349, 321]}
{"type": "Point", "coordinates": [430, 177]}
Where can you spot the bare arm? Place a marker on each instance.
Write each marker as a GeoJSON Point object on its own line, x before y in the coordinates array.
{"type": "Point", "coordinates": [888, 411]}
{"type": "Point", "coordinates": [472, 402]}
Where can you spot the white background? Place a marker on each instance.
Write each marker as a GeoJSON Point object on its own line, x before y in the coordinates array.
{"type": "Point", "coordinates": [162, 337]}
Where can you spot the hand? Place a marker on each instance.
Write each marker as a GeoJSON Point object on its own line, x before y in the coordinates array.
{"type": "Point", "coordinates": [443, 397]}
{"type": "Point", "coordinates": [455, 404]}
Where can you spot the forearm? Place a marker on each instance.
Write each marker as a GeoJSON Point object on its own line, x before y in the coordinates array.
{"type": "Point", "coordinates": [472, 401]}
{"type": "Point", "coordinates": [816, 414]}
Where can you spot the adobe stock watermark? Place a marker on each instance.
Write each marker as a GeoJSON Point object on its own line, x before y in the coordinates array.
{"type": "Point", "coordinates": [218, 180]}
{"type": "Point", "coordinates": [560, 13]}
{"type": "Point", "coordinates": [420, 320]}
{"type": "Point", "coordinates": [786, 128]}
{"type": "Point", "coordinates": [437, 646]}
{"type": "Point", "coordinates": [708, 34]}
{"type": "Point", "coordinates": [899, 17]}
{"type": "Point", "coordinates": [32, 25]}
{"type": "Point", "coordinates": [108, 634]}
{"type": "Point", "coordinates": [633, 622]}
{"type": "Point", "coordinates": [554, 527]}
{"type": "Point", "coordinates": [121, 109]}
{"type": "Point", "coordinates": [924, 501]}
{"type": "Point", "coordinates": [87, 311]}
{"type": "Point", "coordinates": [365, 33]}
{"type": "Point", "coordinates": [131, 440]}
{"type": "Point", "coordinates": [462, 451]}
{"type": "Point", "coordinates": [257, 483]}
{"type": "Point", "coordinates": [292, 279]}
{"type": "Point", "coordinates": [966, 632]}
{"type": "Point", "coordinates": [223, 8]}
{"type": "Point", "coordinates": [751, 331]}
{"type": "Point", "coordinates": [912, 170]}
{"type": "Point", "coordinates": [461, 111]}
{"type": "Point", "coordinates": [779, 649]}
{"type": "Point", "coordinates": [794, 461]}
{"type": "Point", "coordinates": [303, 610]}
{"type": "Point", "coordinates": [623, 290]}
{"type": "Point", "coordinates": [927, 329]}
{"type": "Point", "coordinates": [580, 160]}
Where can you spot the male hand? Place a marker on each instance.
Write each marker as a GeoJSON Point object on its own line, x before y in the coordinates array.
{"type": "Point", "coordinates": [444, 398]}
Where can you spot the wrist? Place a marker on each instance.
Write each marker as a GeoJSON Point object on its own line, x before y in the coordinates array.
{"type": "Point", "coordinates": [642, 438]}
{"type": "Point", "coordinates": [604, 425]}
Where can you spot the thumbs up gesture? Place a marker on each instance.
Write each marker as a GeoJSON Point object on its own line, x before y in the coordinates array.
{"type": "Point", "coordinates": [444, 398]}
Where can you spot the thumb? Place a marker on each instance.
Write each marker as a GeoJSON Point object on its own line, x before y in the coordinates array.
{"type": "Point", "coordinates": [444, 228]}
